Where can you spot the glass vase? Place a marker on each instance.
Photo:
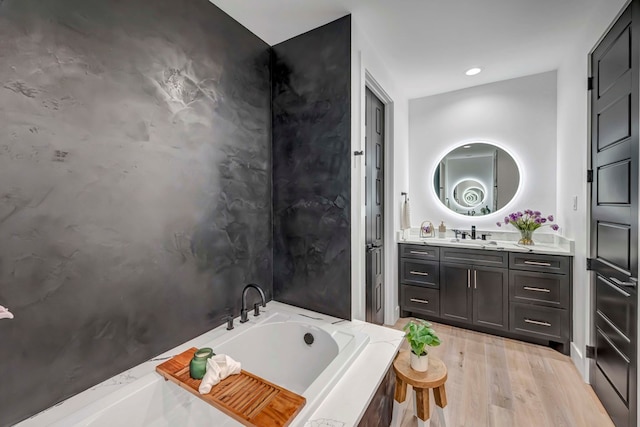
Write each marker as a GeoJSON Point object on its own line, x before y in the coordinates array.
{"type": "Point", "coordinates": [526, 237]}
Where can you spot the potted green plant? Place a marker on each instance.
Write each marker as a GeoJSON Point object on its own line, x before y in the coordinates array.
{"type": "Point", "coordinates": [419, 335]}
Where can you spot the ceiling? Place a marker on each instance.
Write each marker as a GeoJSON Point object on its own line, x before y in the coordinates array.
{"type": "Point", "coordinates": [427, 45]}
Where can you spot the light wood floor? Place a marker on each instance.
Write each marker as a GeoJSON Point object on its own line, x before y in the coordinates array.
{"type": "Point", "coordinates": [499, 382]}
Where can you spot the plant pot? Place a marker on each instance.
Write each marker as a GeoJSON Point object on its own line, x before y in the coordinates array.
{"type": "Point", "coordinates": [526, 237]}
{"type": "Point", "coordinates": [419, 363]}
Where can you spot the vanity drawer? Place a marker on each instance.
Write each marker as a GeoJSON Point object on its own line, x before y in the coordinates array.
{"type": "Point", "coordinates": [538, 262]}
{"type": "Point", "coordinates": [540, 288]}
{"type": "Point", "coordinates": [543, 322]}
{"type": "Point", "coordinates": [429, 253]}
{"type": "Point", "coordinates": [420, 273]}
{"type": "Point", "coordinates": [421, 300]}
{"type": "Point", "coordinates": [475, 257]}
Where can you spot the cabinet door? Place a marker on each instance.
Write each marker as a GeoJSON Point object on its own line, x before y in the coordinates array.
{"type": "Point", "coordinates": [490, 297]}
{"type": "Point", "coordinates": [455, 292]}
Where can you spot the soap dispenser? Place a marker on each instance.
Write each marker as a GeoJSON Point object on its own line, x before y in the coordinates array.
{"type": "Point", "coordinates": [442, 230]}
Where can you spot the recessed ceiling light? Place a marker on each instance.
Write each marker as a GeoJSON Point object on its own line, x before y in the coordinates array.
{"type": "Point", "coordinates": [473, 71]}
{"type": "Point", "coordinates": [466, 146]}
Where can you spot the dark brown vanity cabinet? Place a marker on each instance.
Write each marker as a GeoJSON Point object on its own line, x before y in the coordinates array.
{"type": "Point", "coordinates": [519, 295]}
{"type": "Point", "coordinates": [540, 294]}
{"type": "Point", "coordinates": [420, 279]}
{"type": "Point", "coordinates": [474, 293]}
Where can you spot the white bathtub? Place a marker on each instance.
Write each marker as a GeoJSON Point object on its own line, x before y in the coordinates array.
{"type": "Point", "coordinates": [273, 348]}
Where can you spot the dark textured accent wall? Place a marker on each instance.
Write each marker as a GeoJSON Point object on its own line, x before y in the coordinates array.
{"type": "Point", "coordinates": [135, 185]}
{"type": "Point", "coordinates": [311, 78]}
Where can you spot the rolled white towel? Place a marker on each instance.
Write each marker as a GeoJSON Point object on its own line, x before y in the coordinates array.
{"type": "Point", "coordinates": [219, 367]}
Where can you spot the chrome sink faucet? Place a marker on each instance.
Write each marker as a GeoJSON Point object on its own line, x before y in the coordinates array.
{"type": "Point", "coordinates": [256, 307]}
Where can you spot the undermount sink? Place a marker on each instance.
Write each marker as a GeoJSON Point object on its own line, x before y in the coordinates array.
{"type": "Point", "coordinates": [490, 244]}
{"type": "Point", "coordinates": [475, 242]}
{"type": "Point", "coordinates": [471, 243]}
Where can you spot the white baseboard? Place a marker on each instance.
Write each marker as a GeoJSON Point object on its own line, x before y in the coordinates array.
{"type": "Point", "coordinates": [578, 359]}
{"type": "Point", "coordinates": [396, 316]}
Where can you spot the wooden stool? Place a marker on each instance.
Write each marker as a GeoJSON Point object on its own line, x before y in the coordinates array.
{"type": "Point", "coordinates": [434, 378]}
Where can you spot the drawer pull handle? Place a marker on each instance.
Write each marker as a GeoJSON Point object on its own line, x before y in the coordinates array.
{"type": "Point", "coordinates": [622, 291]}
{"type": "Point", "coordinates": [419, 252]}
{"type": "Point", "coordinates": [541, 264]}
{"type": "Point", "coordinates": [537, 322]}
{"type": "Point", "coordinates": [533, 288]}
{"type": "Point", "coordinates": [621, 283]}
{"type": "Point", "coordinates": [419, 273]}
{"type": "Point", "coordinates": [421, 301]}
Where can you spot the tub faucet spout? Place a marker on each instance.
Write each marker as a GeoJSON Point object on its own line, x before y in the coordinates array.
{"type": "Point", "coordinates": [243, 313]}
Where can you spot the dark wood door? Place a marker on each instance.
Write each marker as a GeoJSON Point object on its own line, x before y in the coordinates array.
{"type": "Point", "coordinates": [491, 297]}
{"type": "Point", "coordinates": [374, 207]}
{"type": "Point", "coordinates": [455, 292]}
{"type": "Point", "coordinates": [614, 216]}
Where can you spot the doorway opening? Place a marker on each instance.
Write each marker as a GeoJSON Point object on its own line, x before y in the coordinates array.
{"type": "Point", "coordinates": [389, 294]}
{"type": "Point", "coordinates": [374, 207]}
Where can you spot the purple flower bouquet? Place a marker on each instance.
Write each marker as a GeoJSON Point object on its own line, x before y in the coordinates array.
{"type": "Point", "coordinates": [527, 223]}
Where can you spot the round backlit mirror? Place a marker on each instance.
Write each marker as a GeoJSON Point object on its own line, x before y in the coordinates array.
{"type": "Point", "coordinates": [476, 179]}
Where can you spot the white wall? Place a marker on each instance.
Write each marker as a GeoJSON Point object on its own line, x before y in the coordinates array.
{"type": "Point", "coordinates": [519, 115]}
{"type": "Point", "coordinates": [508, 178]}
{"type": "Point", "coordinates": [573, 156]}
{"type": "Point", "coordinates": [364, 60]}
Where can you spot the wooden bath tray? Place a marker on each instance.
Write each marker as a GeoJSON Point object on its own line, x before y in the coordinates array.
{"type": "Point", "coordinates": [247, 398]}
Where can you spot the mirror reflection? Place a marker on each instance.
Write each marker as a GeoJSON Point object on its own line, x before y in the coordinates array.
{"type": "Point", "coordinates": [469, 193]}
{"type": "Point", "coordinates": [476, 179]}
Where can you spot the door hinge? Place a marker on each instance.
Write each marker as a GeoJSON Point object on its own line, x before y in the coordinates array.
{"type": "Point", "coordinates": [590, 175]}
{"type": "Point", "coordinates": [589, 264]}
{"type": "Point", "coordinates": [591, 352]}
{"type": "Point", "coordinates": [590, 83]}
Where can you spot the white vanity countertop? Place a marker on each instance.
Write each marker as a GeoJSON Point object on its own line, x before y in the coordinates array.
{"type": "Point", "coordinates": [344, 406]}
{"type": "Point", "coordinates": [545, 243]}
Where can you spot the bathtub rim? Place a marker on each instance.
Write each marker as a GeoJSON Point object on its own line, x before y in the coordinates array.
{"type": "Point", "coordinates": [319, 389]}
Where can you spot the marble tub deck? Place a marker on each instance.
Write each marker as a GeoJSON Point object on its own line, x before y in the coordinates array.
{"type": "Point", "coordinates": [343, 407]}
